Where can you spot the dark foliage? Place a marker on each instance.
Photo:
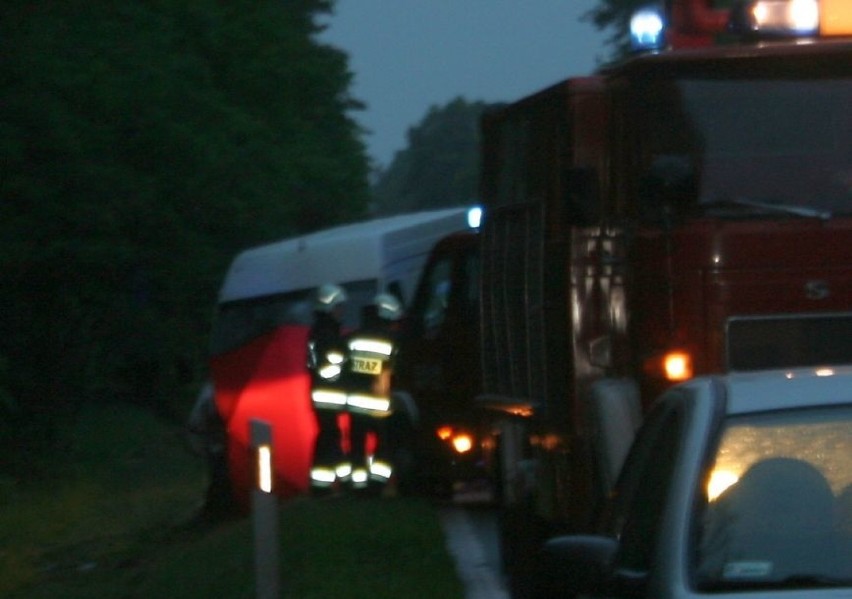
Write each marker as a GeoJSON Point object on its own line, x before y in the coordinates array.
{"type": "Point", "coordinates": [440, 166]}
{"type": "Point", "coordinates": [143, 144]}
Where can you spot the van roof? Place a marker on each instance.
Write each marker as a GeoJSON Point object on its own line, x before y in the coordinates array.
{"type": "Point", "coordinates": [353, 252]}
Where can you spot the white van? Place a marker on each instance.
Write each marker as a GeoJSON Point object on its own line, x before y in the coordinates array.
{"type": "Point", "coordinates": [264, 312]}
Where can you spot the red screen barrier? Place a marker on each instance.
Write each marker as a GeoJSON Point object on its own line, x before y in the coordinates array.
{"type": "Point", "coordinates": [267, 380]}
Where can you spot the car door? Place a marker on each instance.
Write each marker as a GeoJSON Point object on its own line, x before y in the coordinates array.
{"type": "Point", "coordinates": [641, 497]}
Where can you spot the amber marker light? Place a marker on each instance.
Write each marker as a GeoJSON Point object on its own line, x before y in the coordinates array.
{"type": "Point", "coordinates": [444, 432]}
{"type": "Point", "coordinates": [677, 366]}
{"type": "Point", "coordinates": [835, 17]}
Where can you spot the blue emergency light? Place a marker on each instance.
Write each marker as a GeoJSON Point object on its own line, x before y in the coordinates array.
{"type": "Point", "coordinates": [474, 217]}
{"type": "Point", "coordinates": [648, 29]}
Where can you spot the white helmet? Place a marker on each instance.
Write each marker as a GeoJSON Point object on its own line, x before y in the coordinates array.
{"type": "Point", "coordinates": [329, 296]}
{"type": "Point", "coordinates": [388, 307]}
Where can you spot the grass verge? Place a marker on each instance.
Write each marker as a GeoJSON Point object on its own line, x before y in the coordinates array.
{"type": "Point", "coordinates": [116, 522]}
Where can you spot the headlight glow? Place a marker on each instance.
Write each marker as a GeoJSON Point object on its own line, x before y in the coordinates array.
{"type": "Point", "coordinates": [719, 481]}
{"type": "Point", "coordinates": [784, 17]}
{"type": "Point", "coordinates": [462, 443]}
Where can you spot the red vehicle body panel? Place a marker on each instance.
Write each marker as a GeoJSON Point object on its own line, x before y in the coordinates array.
{"type": "Point", "coordinates": [267, 380]}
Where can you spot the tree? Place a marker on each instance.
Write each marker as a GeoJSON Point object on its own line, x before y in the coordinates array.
{"type": "Point", "coordinates": [143, 144]}
{"type": "Point", "coordinates": [440, 166]}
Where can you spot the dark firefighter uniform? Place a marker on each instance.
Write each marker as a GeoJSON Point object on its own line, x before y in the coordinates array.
{"type": "Point", "coordinates": [326, 355]}
{"type": "Point", "coordinates": [368, 382]}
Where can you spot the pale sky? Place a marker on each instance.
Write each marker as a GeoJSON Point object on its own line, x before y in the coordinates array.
{"type": "Point", "coordinates": [409, 55]}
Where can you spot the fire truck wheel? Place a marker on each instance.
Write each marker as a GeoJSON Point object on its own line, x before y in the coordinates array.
{"type": "Point", "coordinates": [401, 434]}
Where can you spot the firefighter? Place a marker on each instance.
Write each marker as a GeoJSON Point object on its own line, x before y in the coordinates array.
{"type": "Point", "coordinates": [368, 383]}
{"type": "Point", "coordinates": [326, 355]}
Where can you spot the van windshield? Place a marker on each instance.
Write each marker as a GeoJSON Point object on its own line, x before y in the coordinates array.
{"type": "Point", "coordinates": [738, 147]}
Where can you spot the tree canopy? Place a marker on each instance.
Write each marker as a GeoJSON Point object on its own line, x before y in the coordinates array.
{"type": "Point", "coordinates": [143, 144]}
{"type": "Point", "coordinates": [439, 167]}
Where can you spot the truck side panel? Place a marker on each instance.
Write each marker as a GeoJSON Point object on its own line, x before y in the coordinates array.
{"type": "Point", "coordinates": [542, 177]}
{"type": "Point", "coordinates": [525, 358]}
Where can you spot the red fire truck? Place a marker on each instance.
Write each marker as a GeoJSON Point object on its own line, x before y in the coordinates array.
{"type": "Point", "coordinates": [686, 211]}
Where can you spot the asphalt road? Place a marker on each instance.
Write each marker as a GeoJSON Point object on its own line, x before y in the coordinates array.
{"type": "Point", "coordinates": [472, 539]}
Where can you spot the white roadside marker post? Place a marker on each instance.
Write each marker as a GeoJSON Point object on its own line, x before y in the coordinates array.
{"type": "Point", "coordinates": [264, 508]}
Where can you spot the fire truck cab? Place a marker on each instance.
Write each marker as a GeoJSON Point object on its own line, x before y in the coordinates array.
{"type": "Point", "coordinates": [438, 376]}
{"type": "Point", "coordinates": [683, 212]}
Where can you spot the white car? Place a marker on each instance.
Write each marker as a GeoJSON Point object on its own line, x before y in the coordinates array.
{"type": "Point", "coordinates": [736, 486]}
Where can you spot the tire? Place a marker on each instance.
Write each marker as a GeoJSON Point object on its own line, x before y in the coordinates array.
{"type": "Point", "coordinates": [403, 453]}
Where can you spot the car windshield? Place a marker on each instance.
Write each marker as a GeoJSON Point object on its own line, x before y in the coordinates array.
{"type": "Point", "coordinates": [751, 147]}
{"type": "Point", "coordinates": [777, 509]}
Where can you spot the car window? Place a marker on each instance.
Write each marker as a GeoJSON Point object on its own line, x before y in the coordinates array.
{"type": "Point", "coordinates": [777, 508]}
{"type": "Point", "coordinates": [641, 493]}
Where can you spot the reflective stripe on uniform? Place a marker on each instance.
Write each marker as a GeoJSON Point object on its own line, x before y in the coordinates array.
{"type": "Point", "coordinates": [330, 371]}
{"type": "Point", "coordinates": [343, 471]}
{"type": "Point", "coordinates": [380, 470]}
{"type": "Point", "coordinates": [369, 404]}
{"type": "Point", "coordinates": [326, 398]}
{"type": "Point", "coordinates": [371, 346]}
{"type": "Point", "coordinates": [334, 357]}
{"type": "Point", "coordinates": [360, 478]}
{"type": "Point", "coordinates": [322, 477]}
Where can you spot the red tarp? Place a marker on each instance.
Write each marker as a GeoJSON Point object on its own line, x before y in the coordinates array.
{"type": "Point", "coordinates": [267, 380]}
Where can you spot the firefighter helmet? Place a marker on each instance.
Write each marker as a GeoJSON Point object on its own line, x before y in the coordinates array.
{"type": "Point", "coordinates": [388, 307]}
{"type": "Point", "coordinates": [329, 296]}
